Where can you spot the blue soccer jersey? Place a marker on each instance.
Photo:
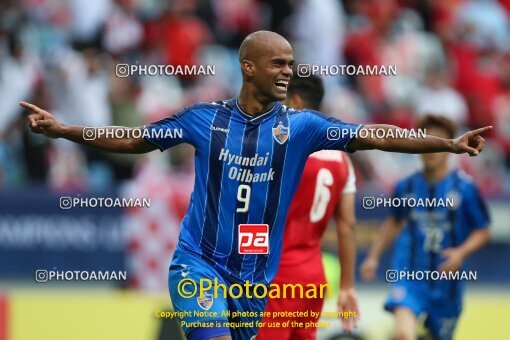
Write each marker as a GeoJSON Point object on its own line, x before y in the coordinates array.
{"type": "Point", "coordinates": [247, 170]}
{"type": "Point", "coordinates": [429, 229]}
{"type": "Point", "coordinates": [459, 210]}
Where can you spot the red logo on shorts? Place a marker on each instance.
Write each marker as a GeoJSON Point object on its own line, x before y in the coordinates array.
{"type": "Point", "coordinates": [253, 239]}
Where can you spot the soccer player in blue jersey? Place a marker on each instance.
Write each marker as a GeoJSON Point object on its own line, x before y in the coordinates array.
{"type": "Point", "coordinates": [249, 155]}
{"type": "Point", "coordinates": [431, 239]}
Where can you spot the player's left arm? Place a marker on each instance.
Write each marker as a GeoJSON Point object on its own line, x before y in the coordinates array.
{"type": "Point", "coordinates": [471, 142]}
{"type": "Point", "coordinates": [479, 221]}
{"type": "Point", "coordinates": [345, 219]}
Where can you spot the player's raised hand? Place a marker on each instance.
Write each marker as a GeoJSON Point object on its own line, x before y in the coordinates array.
{"type": "Point", "coordinates": [348, 303]}
{"type": "Point", "coordinates": [41, 121]}
{"type": "Point", "coordinates": [471, 142]}
{"type": "Point", "coordinates": [368, 269]}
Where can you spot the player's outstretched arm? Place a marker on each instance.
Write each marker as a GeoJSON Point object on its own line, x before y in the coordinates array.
{"type": "Point", "coordinates": [43, 122]}
{"type": "Point", "coordinates": [389, 231]}
{"type": "Point", "coordinates": [471, 142]}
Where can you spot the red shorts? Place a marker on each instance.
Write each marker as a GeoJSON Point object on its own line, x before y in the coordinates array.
{"type": "Point", "coordinates": [291, 305]}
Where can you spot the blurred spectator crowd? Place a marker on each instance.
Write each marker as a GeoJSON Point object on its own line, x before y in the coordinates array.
{"type": "Point", "coordinates": [452, 57]}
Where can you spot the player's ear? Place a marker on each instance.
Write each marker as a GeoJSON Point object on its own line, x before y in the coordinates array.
{"type": "Point", "coordinates": [248, 67]}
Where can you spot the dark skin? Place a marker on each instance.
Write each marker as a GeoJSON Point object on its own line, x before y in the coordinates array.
{"type": "Point", "coordinates": [266, 58]}
{"type": "Point", "coordinates": [266, 63]}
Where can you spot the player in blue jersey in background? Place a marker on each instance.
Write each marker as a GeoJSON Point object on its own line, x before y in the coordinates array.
{"type": "Point", "coordinates": [431, 239]}
{"type": "Point", "coordinates": [249, 155]}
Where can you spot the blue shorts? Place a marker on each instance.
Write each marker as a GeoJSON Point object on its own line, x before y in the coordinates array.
{"type": "Point", "coordinates": [210, 316]}
{"type": "Point", "coordinates": [442, 310]}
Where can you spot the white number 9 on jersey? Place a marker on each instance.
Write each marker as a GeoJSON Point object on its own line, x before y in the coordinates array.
{"type": "Point", "coordinates": [243, 196]}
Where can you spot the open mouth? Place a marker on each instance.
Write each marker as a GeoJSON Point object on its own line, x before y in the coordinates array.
{"type": "Point", "coordinates": [282, 84]}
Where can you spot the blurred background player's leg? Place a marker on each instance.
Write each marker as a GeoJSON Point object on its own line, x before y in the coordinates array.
{"type": "Point", "coordinates": [405, 324]}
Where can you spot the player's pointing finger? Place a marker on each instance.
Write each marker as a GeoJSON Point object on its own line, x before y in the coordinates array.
{"type": "Point", "coordinates": [481, 130]}
{"type": "Point", "coordinates": [30, 107]}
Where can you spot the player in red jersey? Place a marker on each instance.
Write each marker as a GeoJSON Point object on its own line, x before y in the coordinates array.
{"type": "Point", "coordinates": [326, 190]}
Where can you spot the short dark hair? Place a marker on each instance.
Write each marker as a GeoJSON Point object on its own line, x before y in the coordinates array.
{"type": "Point", "coordinates": [436, 121]}
{"type": "Point", "coordinates": [310, 89]}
